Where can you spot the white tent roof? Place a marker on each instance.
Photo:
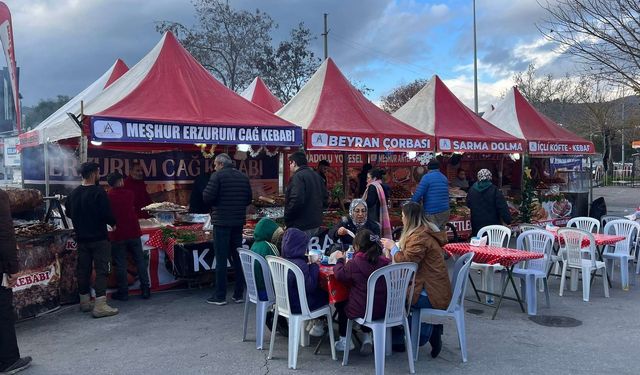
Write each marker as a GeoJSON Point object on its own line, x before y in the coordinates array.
{"type": "Point", "coordinates": [59, 126]}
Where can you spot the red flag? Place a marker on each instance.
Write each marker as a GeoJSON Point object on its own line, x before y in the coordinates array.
{"type": "Point", "coordinates": [6, 37]}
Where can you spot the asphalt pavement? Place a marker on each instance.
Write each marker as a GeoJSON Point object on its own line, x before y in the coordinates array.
{"type": "Point", "coordinates": [176, 332]}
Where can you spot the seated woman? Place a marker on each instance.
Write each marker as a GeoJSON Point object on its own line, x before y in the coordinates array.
{"type": "Point", "coordinates": [355, 274]}
{"type": "Point", "coordinates": [358, 219]}
{"type": "Point", "coordinates": [421, 242]}
{"type": "Point", "coordinates": [294, 248]}
{"type": "Point", "coordinates": [266, 234]}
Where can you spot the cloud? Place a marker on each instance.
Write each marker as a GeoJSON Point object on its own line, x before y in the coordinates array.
{"type": "Point", "coordinates": [64, 45]}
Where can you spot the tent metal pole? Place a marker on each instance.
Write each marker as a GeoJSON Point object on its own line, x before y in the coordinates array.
{"type": "Point", "coordinates": [345, 178]}
{"type": "Point", "coordinates": [46, 165]}
{"type": "Point", "coordinates": [590, 185]}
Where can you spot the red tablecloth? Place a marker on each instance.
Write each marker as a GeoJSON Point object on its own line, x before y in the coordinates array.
{"type": "Point", "coordinates": [155, 239]}
{"type": "Point", "coordinates": [601, 239]}
{"type": "Point", "coordinates": [338, 292]}
{"type": "Point", "coordinates": [491, 255]}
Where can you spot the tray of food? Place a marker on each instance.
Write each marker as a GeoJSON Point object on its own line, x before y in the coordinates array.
{"type": "Point", "coordinates": [165, 207]}
{"type": "Point", "coordinates": [35, 230]}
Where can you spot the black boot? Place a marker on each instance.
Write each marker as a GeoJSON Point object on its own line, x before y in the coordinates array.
{"type": "Point", "coordinates": [120, 296]}
{"type": "Point", "coordinates": [436, 340]}
{"type": "Point", "coordinates": [146, 292]}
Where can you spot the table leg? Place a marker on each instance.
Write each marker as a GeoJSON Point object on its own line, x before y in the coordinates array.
{"type": "Point", "coordinates": [515, 289]}
{"type": "Point", "coordinates": [504, 289]}
{"type": "Point", "coordinates": [600, 250]}
{"type": "Point", "coordinates": [475, 290]}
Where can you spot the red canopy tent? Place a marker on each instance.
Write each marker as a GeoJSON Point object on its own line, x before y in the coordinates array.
{"type": "Point", "coordinates": [169, 98]}
{"type": "Point", "coordinates": [59, 126]}
{"type": "Point", "coordinates": [518, 117]}
{"type": "Point", "coordinates": [337, 117]}
{"type": "Point", "coordinates": [259, 94]}
{"type": "Point", "coordinates": [437, 111]}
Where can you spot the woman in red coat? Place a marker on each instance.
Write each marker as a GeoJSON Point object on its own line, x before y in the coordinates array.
{"type": "Point", "coordinates": [355, 274]}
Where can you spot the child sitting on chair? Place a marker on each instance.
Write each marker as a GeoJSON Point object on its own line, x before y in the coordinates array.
{"type": "Point", "coordinates": [294, 248]}
{"type": "Point", "coordinates": [355, 274]}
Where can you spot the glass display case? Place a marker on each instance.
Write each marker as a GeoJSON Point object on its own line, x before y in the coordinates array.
{"type": "Point", "coordinates": [575, 181]}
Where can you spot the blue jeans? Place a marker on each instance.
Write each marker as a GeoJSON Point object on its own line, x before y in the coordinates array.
{"type": "Point", "coordinates": [226, 241]}
{"type": "Point", "coordinates": [425, 328]}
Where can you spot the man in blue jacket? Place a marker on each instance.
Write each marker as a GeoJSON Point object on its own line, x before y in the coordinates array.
{"type": "Point", "coordinates": [433, 191]}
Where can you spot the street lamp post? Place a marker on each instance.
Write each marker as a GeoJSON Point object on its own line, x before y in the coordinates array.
{"type": "Point", "coordinates": [475, 61]}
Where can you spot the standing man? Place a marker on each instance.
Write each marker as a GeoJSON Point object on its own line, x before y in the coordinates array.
{"type": "Point", "coordinates": [10, 361]}
{"type": "Point", "coordinates": [126, 238]}
{"type": "Point", "coordinates": [323, 167]}
{"type": "Point", "coordinates": [433, 191]}
{"type": "Point", "coordinates": [229, 193]}
{"type": "Point", "coordinates": [135, 183]}
{"type": "Point", "coordinates": [89, 209]}
{"type": "Point", "coordinates": [306, 196]}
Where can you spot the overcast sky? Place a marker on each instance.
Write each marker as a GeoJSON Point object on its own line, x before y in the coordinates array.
{"type": "Point", "coordinates": [62, 46]}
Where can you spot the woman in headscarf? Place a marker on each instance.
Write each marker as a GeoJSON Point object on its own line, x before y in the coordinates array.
{"type": "Point", "coordinates": [376, 197]}
{"type": "Point", "coordinates": [358, 219]}
{"type": "Point", "coordinates": [487, 204]}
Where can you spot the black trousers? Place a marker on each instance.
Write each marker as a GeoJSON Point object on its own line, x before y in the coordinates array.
{"type": "Point", "coordinates": [226, 241]}
{"type": "Point", "coordinates": [119, 251]}
{"type": "Point", "coordinates": [9, 352]}
{"type": "Point", "coordinates": [342, 319]}
{"type": "Point", "coordinates": [94, 255]}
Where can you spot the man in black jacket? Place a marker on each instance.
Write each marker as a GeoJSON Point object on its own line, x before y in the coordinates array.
{"type": "Point", "coordinates": [90, 211]}
{"type": "Point", "coordinates": [306, 196]}
{"type": "Point", "coordinates": [10, 361]}
{"type": "Point", "coordinates": [487, 204]}
{"type": "Point", "coordinates": [229, 193]}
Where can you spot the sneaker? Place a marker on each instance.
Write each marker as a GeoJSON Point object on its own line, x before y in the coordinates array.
{"type": "Point", "coordinates": [342, 344]}
{"type": "Point", "coordinates": [367, 344]}
{"type": "Point", "coordinates": [17, 366]}
{"type": "Point", "coordinates": [237, 300]}
{"type": "Point", "coordinates": [317, 330]}
{"type": "Point", "coordinates": [216, 301]}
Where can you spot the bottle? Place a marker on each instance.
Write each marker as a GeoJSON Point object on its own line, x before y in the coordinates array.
{"type": "Point", "coordinates": [350, 253]}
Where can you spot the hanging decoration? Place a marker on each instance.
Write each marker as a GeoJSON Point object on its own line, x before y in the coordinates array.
{"type": "Point", "coordinates": [425, 158]}
{"type": "Point", "coordinates": [203, 150]}
{"type": "Point", "coordinates": [265, 150]}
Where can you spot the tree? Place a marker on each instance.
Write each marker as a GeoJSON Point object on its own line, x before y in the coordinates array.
{"type": "Point", "coordinates": [44, 109]}
{"type": "Point", "coordinates": [225, 41]}
{"type": "Point", "coordinates": [287, 68]}
{"type": "Point", "coordinates": [600, 114]}
{"type": "Point", "coordinates": [603, 34]}
{"type": "Point", "coordinates": [544, 89]}
{"type": "Point", "coordinates": [400, 95]}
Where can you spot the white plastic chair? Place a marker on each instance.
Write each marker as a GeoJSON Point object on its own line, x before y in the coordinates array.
{"type": "Point", "coordinates": [249, 260]}
{"type": "Point", "coordinates": [399, 279]}
{"type": "Point", "coordinates": [571, 242]}
{"type": "Point", "coordinates": [587, 224]}
{"type": "Point", "coordinates": [607, 218]}
{"type": "Point", "coordinates": [280, 269]}
{"type": "Point", "coordinates": [455, 310]}
{"type": "Point", "coordinates": [623, 251]}
{"type": "Point", "coordinates": [537, 241]}
{"type": "Point", "coordinates": [497, 236]}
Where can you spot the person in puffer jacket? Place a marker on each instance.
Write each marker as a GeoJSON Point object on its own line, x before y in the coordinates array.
{"type": "Point", "coordinates": [355, 275]}
{"type": "Point", "coordinates": [294, 248]}
{"type": "Point", "coordinates": [265, 235]}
